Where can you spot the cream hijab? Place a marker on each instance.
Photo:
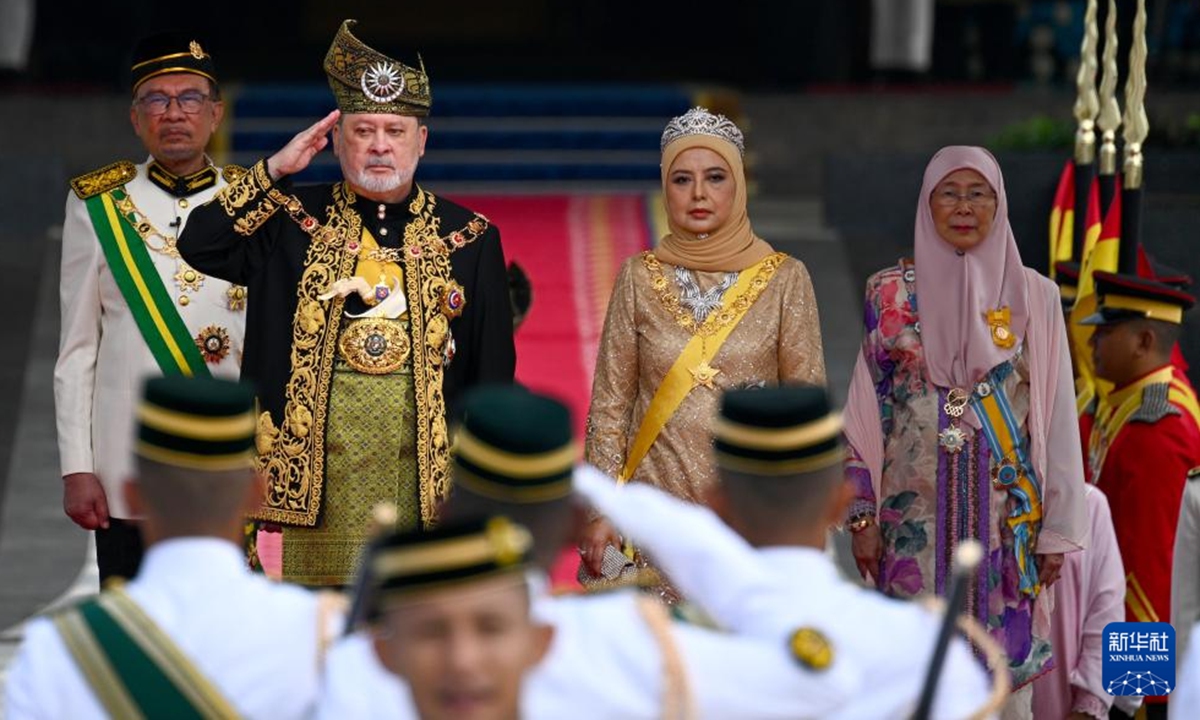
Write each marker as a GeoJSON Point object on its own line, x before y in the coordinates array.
{"type": "Point", "coordinates": [734, 246]}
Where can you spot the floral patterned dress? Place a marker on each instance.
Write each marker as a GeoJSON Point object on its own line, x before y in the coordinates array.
{"type": "Point", "coordinates": [931, 499]}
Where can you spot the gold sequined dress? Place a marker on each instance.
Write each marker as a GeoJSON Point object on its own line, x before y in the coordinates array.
{"type": "Point", "coordinates": [778, 340]}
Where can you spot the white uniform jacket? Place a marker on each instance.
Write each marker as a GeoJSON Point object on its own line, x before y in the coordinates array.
{"type": "Point", "coordinates": [102, 357]}
{"type": "Point", "coordinates": [606, 663]}
{"type": "Point", "coordinates": [259, 642]}
{"type": "Point", "coordinates": [769, 593]}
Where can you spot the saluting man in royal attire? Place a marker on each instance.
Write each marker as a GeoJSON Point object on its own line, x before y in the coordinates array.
{"type": "Point", "coordinates": [376, 302]}
{"type": "Point", "coordinates": [131, 306]}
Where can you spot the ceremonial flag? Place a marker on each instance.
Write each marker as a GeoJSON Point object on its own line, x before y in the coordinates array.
{"type": "Point", "coordinates": [1062, 218]}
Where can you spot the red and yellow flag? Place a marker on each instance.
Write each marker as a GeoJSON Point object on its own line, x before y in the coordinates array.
{"type": "Point", "coordinates": [1099, 253]}
{"type": "Point", "coordinates": [1062, 218]}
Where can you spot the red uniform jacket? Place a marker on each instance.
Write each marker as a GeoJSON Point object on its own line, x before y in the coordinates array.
{"type": "Point", "coordinates": [1145, 439]}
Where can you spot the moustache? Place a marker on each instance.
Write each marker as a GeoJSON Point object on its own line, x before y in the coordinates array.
{"type": "Point", "coordinates": [380, 162]}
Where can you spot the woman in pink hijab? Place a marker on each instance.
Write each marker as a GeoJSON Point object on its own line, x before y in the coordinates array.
{"type": "Point", "coordinates": [961, 416]}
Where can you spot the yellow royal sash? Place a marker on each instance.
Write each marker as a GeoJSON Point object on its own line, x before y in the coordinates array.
{"type": "Point", "coordinates": [692, 367]}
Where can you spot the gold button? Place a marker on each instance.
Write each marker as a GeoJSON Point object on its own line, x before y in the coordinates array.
{"type": "Point", "coordinates": [190, 276]}
{"type": "Point", "coordinates": [184, 300]}
{"type": "Point", "coordinates": [383, 231]}
{"type": "Point", "coordinates": [183, 202]}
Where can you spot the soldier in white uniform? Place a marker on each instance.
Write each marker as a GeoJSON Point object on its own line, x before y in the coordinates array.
{"type": "Point", "coordinates": [131, 307]}
{"type": "Point", "coordinates": [779, 456]}
{"type": "Point", "coordinates": [195, 634]}
{"type": "Point", "coordinates": [615, 654]}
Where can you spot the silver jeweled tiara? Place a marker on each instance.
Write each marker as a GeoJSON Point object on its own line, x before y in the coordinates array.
{"type": "Point", "coordinates": [699, 121]}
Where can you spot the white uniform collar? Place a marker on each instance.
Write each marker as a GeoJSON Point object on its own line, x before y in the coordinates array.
{"type": "Point", "coordinates": [797, 557]}
{"type": "Point", "coordinates": [216, 556]}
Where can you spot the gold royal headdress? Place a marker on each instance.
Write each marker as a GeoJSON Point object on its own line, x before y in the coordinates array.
{"type": "Point", "coordinates": [367, 81]}
{"type": "Point", "coordinates": [699, 121]}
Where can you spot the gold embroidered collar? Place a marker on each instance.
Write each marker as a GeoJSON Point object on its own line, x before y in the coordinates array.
{"type": "Point", "coordinates": [184, 186]}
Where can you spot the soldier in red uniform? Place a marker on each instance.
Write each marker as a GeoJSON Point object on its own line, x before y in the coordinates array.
{"type": "Point", "coordinates": [1146, 434]}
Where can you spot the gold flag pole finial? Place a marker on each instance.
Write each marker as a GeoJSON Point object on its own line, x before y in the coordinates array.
{"type": "Point", "coordinates": [1087, 105]}
{"type": "Point", "coordinates": [1137, 125]}
{"type": "Point", "coordinates": [1110, 111]}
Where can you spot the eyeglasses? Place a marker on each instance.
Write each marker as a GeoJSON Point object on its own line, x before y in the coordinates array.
{"type": "Point", "coordinates": [974, 198]}
{"type": "Point", "coordinates": [190, 102]}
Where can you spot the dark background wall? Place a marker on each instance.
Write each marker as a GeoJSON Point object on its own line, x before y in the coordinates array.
{"type": "Point", "coordinates": [760, 44]}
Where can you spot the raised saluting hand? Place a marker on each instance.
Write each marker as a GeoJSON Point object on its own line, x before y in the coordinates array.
{"type": "Point", "coordinates": [299, 152]}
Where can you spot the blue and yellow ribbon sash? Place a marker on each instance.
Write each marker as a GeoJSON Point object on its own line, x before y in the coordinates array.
{"type": "Point", "coordinates": [154, 311]}
{"type": "Point", "coordinates": [1013, 472]}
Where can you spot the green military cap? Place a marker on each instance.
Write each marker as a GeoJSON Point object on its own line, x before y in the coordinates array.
{"type": "Point", "coordinates": [170, 52]}
{"type": "Point", "coordinates": [777, 431]}
{"type": "Point", "coordinates": [1129, 297]}
{"type": "Point", "coordinates": [365, 80]}
{"type": "Point", "coordinates": [198, 423]}
{"type": "Point", "coordinates": [514, 445]}
{"type": "Point", "coordinates": [403, 564]}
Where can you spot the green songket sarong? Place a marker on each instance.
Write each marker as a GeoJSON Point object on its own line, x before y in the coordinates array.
{"type": "Point", "coordinates": [370, 457]}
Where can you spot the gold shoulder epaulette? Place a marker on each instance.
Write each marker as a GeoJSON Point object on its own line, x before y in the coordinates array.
{"type": "Point", "coordinates": [231, 173]}
{"type": "Point", "coordinates": [105, 179]}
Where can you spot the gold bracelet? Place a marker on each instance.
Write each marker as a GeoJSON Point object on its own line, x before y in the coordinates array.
{"type": "Point", "coordinates": [860, 522]}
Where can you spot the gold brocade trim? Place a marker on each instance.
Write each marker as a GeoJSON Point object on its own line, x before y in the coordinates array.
{"type": "Point", "coordinates": [295, 466]}
{"type": "Point", "coordinates": [295, 462]}
{"type": "Point", "coordinates": [248, 188]}
{"type": "Point", "coordinates": [233, 173]}
{"type": "Point", "coordinates": [719, 317]}
{"type": "Point", "coordinates": [427, 275]}
{"type": "Point", "coordinates": [103, 179]}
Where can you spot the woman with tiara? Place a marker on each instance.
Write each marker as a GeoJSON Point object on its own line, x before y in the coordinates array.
{"type": "Point", "coordinates": [712, 307]}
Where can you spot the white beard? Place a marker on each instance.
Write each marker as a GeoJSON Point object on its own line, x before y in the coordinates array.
{"type": "Point", "coordinates": [373, 183]}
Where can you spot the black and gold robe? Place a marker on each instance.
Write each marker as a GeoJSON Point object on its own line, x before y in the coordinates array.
{"type": "Point", "coordinates": [289, 245]}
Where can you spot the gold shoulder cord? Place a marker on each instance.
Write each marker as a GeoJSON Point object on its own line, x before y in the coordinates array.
{"type": "Point", "coordinates": [678, 701]}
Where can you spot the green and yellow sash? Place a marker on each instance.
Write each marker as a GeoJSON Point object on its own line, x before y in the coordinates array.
{"type": "Point", "coordinates": [135, 670]}
{"type": "Point", "coordinates": [164, 331]}
{"type": "Point", "coordinates": [690, 368]}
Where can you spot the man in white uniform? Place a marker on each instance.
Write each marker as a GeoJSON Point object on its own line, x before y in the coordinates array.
{"type": "Point", "coordinates": [195, 633]}
{"type": "Point", "coordinates": [615, 654]}
{"type": "Point", "coordinates": [131, 307]}
{"type": "Point", "coordinates": [765, 573]}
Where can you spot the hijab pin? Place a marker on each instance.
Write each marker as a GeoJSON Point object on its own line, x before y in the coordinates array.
{"type": "Point", "coordinates": [999, 321]}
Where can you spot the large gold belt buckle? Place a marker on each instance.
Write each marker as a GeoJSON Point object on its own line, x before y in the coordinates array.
{"type": "Point", "coordinates": [375, 346]}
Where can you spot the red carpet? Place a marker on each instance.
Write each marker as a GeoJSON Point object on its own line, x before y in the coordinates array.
{"type": "Point", "coordinates": [571, 246]}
